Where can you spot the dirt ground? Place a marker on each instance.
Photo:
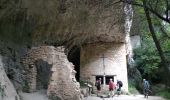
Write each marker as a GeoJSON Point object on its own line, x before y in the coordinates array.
{"type": "Point", "coordinates": [42, 96]}
{"type": "Point", "coordinates": [125, 97]}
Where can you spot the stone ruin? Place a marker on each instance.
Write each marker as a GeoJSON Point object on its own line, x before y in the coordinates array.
{"type": "Point", "coordinates": [61, 82]}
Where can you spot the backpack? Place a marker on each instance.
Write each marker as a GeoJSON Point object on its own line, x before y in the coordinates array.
{"type": "Point", "coordinates": [120, 83]}
{"type": "Point", "coordinates": [146, 84]}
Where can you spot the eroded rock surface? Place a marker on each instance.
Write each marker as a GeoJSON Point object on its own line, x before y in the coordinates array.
{"type": "Point", "coordinates": [7, 90]}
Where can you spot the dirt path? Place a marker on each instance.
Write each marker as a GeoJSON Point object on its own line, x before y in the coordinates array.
{"type": "Point", "coordinates": [126, 97]}
{"type": "Point", "coordinates": [41, 95]}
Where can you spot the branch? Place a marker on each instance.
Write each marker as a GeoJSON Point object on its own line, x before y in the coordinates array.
{"type": "Point", "coordinates": [164, 32]}
{"type": "Point", "coordinates": [167, 15]}
{"type": "Point", "coordinates": [156, 5]}
{"type": "Point", "coordinates": [149, 8]}
{"type": "Point", "coordinates": [141, 5]}
{"type": "Point", "coordinates": [158, 15]}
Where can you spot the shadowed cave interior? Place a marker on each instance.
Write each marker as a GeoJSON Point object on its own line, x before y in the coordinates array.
{"type": "Point", "coordinates": [74, 57]}
{"type": "Point", "coordinates": [43, 74]}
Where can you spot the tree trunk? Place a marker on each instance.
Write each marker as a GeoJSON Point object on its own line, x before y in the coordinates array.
{"type": "Point", "coordinates": [157, 44]}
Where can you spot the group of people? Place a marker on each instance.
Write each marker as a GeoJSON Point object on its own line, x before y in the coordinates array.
{"type": "Point", "coordinates": [116, 88]}
{"type": "Point", "coordinates": [113, 88]}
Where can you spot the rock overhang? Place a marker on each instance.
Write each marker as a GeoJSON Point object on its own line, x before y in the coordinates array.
{"type": "Point", "coordinates": [99, 21]}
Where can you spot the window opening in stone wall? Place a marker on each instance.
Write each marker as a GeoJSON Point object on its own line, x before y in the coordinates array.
{"type": "Point", "coordinates": [99, 76]}
{"type": "Point", "coordinates": [108, 79]}
{"type": "Point", "coordinates": [43, 74]}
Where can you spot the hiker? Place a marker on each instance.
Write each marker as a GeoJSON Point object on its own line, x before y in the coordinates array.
{"type": "Point", "coordinates": [112, 87]}
{"type": "Point", "coordinates": [145, 88]}
{"type": "Point", "coordinates": [119, 85]}
{"type": "Point", "coordinates": [98, 86]}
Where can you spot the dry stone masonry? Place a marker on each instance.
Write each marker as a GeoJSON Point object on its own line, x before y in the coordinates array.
{"type": "Point", "coordinates": [104, 60]}
{"type": "Point", "coordinates": [62, 84]}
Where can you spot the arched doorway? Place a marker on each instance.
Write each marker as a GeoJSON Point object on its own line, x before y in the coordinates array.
{"type": "Point", "coordinates": [43, 74]}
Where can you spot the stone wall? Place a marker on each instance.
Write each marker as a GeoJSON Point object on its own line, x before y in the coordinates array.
{"type": "Point", "coordinates": [114, 62]}
{"type": "Point", "coordinates": [62, 83]}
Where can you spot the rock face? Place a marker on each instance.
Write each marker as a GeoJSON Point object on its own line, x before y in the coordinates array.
{"type": "Point", "coordinates": [80, 21]}
{"type": "Point", "coordinates": [62, 84]}
{"type": "Point", "coordinates": [12, 53]}
{"type": "Point", "coordinates": [69, 22]}
{"type": "Point", "coordinates": [7, 90]}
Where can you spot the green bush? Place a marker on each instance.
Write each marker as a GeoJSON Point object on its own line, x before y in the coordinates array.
{"type": "Point", "coordinates": [82, 84]}
{"type": "Point", "coordinates": [165, 94]}
{"type": "Point", "coordinates": [132, 89]}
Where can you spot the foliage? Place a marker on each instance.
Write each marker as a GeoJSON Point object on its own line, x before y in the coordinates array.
{"type": "Point", "coordinates": [148, 61]}
{"type": "Point", "coordinates": [164, 93]}
{"type": "Point", "coordinates": [83, 83]}
{"type": "Point", "coordinates": [132, 89]}
{"type": "Point", "coordinates": [159, 9]}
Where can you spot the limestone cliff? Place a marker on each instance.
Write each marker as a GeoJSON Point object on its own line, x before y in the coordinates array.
{"type": "Point", "coordinates": [60, 22]}
{"type": "Point", "coordinates": [69, 20]}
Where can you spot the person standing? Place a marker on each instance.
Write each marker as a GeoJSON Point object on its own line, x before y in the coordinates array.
{"type": "Point", "coordinates": [146, 86]}
{"type": "Point", "coordinates": [98, 86]}
{"type": "Point", "coordinates": [112, 86]}
{"type": "Point", "coordinates": [119, 85]}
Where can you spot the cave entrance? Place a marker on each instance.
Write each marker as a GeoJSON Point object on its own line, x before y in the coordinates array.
{"type": "Point", "coordinates": [43, 74]}
{"type": "Point", "coordinates": [74, 57]}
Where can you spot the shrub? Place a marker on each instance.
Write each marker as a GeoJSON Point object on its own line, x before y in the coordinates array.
{"type": "Point", "coordinates": [132, 89]}
{"type": "Point", "coordinates": [164, 93]}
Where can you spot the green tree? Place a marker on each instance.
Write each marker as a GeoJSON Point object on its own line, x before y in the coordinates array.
{"type": "Point", "coordinates": [156, 12]}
